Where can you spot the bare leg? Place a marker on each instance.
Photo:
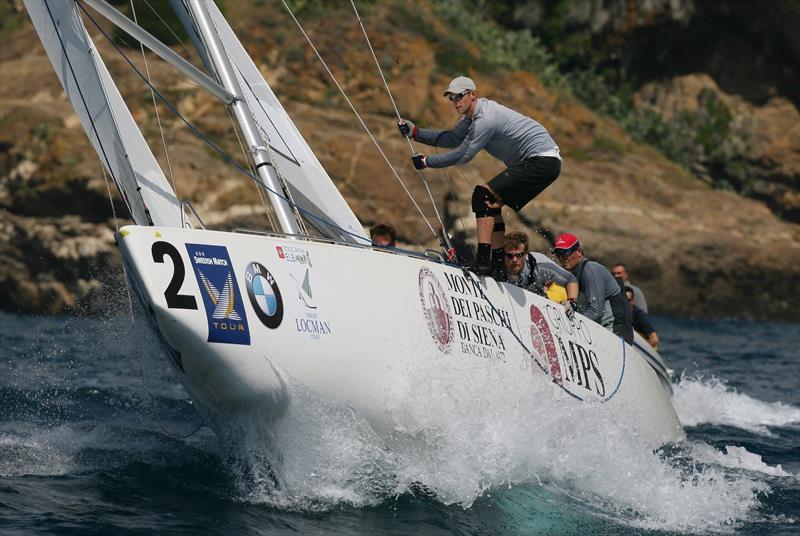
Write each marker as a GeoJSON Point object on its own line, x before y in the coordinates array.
{"type": "Point", "coordinates": [485, 226]}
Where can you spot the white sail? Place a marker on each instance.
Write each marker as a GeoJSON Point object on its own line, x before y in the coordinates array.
{"type": "Point", "coordinates": [311, 187]}
{"type": "Point", "coordinates": [103, 114]}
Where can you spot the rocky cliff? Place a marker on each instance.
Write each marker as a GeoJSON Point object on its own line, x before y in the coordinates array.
{"type": "Point", "coordinates": [695, 250]}
{"type": "Point", "coordinates": [726, 70]}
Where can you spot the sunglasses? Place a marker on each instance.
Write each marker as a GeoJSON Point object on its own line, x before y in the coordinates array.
{"type": "Point", "coordinates": [564, 253]}
{"type": "Point", "coordinates": [456, 98]}
{"type": "Point", "coordinates": [514, 255]}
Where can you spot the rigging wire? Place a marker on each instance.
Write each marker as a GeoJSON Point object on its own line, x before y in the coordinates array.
{"type": "Point", "coordinates": [155, 109]}
{"type": "Point", "coordinates": [363, 124]}
{"type": "Point", "coordinates": [264, 139]}
{"type": "Point", "coordinates": [445, 236]}
{"type": "Point", "coordinates": [103, 153]}
{"type": "Point", "coordinates": [186, 50]}
{"type": "Point", "coordinates": [267, 208]}
{"type": "Point", "coordinates": [450, 185]}
{"type": "Point", "coordinates": [125, 271]}
{"type": "Point", "coordinates": [213, 145]}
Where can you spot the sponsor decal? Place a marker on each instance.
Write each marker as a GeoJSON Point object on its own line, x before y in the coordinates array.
{"type": "Point", "coordinates": [481, 329]}
{"type": "Point", "coordinates": [227, 321]}
{"type": "Point", "coordinates": [264, 294]}
{"type": "Point", "coordinates": [304, 291]}
{"type": "Point", "coordinates": [311, 323]}
{"type": "Point", "coordinates": [436, 308]}
{"type": "Point", "coordinates": [312, 326]}
{"type": "Point", "coordinates": [294, 254]}
{"type": "Point", "coordinates": [567, 350]}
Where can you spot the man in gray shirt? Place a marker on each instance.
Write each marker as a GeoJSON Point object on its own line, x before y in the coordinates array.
{"type": "Point", "coordinates": [621, 271]}
{"type": "Point", "coordinates": [601, 298]}
{"type": "Point", "coordinates": [532, 158]}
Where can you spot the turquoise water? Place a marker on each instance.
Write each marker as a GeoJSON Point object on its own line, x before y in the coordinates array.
{"type": "Point", "coordinates": [98, 437]}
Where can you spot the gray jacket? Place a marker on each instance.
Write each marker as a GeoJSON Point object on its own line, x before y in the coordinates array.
{"type": "Point", "coordinates": [505, 134]}
{"type": "Point", "coordinates": [597, 286]}
{"type": "Point", "coordinates": [638, 297]}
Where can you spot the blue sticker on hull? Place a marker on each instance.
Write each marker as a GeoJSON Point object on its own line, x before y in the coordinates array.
{"type": "Point", "coordinates": [227, 321]}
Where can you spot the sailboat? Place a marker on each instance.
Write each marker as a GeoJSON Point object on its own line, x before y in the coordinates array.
{"type": "Point", "coordinates": [245, 315]}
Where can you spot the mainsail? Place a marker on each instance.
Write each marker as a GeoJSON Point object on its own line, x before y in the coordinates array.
{"type": "Point", "coordinates": [103, 114]}
{"type": "Point", "coordinates": [311, 187]}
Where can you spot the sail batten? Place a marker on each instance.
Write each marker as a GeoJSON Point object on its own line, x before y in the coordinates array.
{"type": "Point", "coordinates": [106, 119]}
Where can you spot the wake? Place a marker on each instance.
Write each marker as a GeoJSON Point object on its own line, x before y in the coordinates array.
{"type": "Point", "coordinates": [699, 401]}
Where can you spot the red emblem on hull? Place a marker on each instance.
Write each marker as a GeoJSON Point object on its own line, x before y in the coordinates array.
{"type": "Point", "coordinates": [436, 309]}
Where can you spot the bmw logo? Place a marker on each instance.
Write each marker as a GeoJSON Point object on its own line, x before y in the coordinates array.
{"type": "Point", "coordinates": [265, 297]}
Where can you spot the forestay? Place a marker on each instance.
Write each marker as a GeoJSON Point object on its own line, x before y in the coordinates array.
{"type": "Point", "coordinates": [311, 187]}
{"type": "Point", "coordinates": [103, 114]}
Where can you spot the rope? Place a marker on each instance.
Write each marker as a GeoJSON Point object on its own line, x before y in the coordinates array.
{"type": "Point", "coordinates": [445, 236]}
{"type": "Point", "coordinates": [205, 139]}
{"type": "Point", "coordinates": [155, 108]}
{"type": "Point", "coordinates": [450, 187]}
{"type": "Point", "coordinates": [363, 124]}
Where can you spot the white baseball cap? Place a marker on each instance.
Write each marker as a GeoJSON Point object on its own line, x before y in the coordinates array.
{"type": "Point", "coordinates": [460, 85]}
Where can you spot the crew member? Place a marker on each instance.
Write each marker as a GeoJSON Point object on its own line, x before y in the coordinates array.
{"type": "Point", "coordinates": [524, 270]}
{"type": "Point", "coordinates": [383, 235]}
{"type": "Point", "coordinates": [641, 321]}
{"type": "Point", "coordinates": [621, 271]}
{"type": "Point", "coordinates": [524, 145]}
{"type": "Point", "coordinates": [601, 298]}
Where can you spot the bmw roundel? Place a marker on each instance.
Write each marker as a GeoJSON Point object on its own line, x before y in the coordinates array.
{"type": "Point", "coordinates": [265, 297]}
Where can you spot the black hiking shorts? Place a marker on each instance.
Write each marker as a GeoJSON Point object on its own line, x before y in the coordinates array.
{"type": "Point", "coordinates": [523, 181]}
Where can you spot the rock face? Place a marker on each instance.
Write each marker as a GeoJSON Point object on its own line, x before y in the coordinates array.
{"type": "Point", "coordinates": [692, 249]}
{"type": "Point", "coordinates": [682, 54]}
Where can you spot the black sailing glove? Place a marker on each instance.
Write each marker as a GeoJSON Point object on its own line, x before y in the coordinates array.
{"type": "Point", "coordinates": [419, 161]}
{"type": "Point", "coordinates": [407, 128]}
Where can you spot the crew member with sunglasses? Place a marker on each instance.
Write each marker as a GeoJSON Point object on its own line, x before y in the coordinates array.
{"type": "Point", "coordinates": [601, 296]}
{"type": "Point", "coordinates": [535, 272]}
{"type": "Point", "coordinates": [532, 158]}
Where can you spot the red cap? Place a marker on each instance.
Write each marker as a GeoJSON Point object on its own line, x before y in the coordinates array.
{"type": "Point", "coordinates": [566, 241]}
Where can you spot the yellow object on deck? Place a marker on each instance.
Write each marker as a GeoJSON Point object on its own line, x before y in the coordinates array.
{"type": "Point", "coordinates": [556, 292]}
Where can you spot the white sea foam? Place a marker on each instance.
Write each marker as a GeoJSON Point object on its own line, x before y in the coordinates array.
{"type": "Point", "coordinates": [736, 458]}
{"type": "Point", "coordinates": [464, 437]}
{"type": "Point", "coordinates": [709, 400]}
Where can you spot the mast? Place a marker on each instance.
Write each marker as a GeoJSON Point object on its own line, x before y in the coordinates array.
{"type": "Point", "coordinates": [224, 71]}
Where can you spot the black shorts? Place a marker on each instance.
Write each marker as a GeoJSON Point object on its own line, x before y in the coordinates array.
{"type": "Point", "coordinates": [523, 181]}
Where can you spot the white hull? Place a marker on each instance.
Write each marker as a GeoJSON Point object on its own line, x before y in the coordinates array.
{"type": "Point", "coordinates": [357, 326]}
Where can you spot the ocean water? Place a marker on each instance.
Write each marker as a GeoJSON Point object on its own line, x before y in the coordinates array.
{"type": "Point", "coordinates": [98, 437]}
